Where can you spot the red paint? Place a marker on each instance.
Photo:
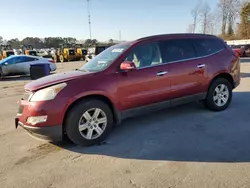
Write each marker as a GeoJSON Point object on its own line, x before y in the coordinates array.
{"type": "Point", "coordinates": [132, 88]}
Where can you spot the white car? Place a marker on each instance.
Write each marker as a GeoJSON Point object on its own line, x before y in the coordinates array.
{"type": "Point", "coordinates": [20, 64]}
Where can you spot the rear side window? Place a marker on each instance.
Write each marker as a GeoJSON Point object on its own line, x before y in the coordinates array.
{"type": "Point", "coordinates": [176, 50]}
{"type": "Point", "coordinates": [206, 47]}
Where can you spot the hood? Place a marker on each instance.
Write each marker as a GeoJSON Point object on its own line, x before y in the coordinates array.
{"type": "Point", "coordinates": [53, 79]}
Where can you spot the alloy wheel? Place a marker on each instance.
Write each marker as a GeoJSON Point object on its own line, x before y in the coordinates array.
{"type": "Point", "coordinates": [92, 123]}
{"type": "Point", "coordinates": [221, 95]}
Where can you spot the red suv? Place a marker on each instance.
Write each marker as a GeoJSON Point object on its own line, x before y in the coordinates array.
{"type": "Point", "coordinates": [127, 79]}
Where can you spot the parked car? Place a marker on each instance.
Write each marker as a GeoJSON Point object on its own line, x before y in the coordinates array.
{"type": "Point", "coordinates": [20, 64]}
{"type": "Point", "coordinates": [128, 79]}
{"type": "Point", "coordinates": [239, 50]}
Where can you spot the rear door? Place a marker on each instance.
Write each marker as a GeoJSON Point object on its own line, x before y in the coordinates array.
{"type": "Point", "coordinates": [187, 72]}
{"type": "Point", "coordinates": [27, 62]}
{"type": "Point", "coordinates": [149, 83]}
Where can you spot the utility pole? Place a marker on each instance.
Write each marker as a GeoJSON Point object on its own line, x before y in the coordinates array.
{"type": "Point", "coordinates": [120, 35]}
{"type": "Point", "coordinates": [90, 34]}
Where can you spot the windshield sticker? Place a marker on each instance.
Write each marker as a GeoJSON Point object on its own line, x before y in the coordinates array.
{"type": "Point", "coordinates": [119, 50]}
{"type": "Point", "coordinates": [101, 62]}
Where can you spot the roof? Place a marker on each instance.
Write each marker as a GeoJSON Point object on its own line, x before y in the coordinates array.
{"type": "Point", "coordinates": [26, 56]}
{"type": "Point", "coordinates": [175, 35]}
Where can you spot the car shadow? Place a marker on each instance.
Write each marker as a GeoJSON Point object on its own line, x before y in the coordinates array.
{"type": "Point", "coordinates": [15, 78]}
{"type": "Point", "coordinates": [185, 133]}
{"type": "Point", "coordinates": [20, 77]}
{"type": "Point", "coordinates": [244, 75]}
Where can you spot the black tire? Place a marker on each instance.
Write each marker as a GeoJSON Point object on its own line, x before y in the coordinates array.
{"type": "Point", "coordinates": [74, 116]}
{"type": "Point", "coordinates": [62, 59]}
{"type": "Point", "coordinates": [210, 103]}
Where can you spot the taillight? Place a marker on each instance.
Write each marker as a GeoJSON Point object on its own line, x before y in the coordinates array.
{"type": "Point", "coordinates": [51, 61]}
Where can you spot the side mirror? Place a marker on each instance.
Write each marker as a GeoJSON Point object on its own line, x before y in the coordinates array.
{"type": "Point", "coordinates": [127, 66]}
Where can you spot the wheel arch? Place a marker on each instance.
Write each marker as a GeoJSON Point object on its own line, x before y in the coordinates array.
{"type": "Point", "coordinates": [225, 75]}
{"type": "Point", "coordinates": [116, 113]}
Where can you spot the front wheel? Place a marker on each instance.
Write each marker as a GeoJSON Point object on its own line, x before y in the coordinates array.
{"type": "Point", "coordinates": [219, 95]}
{"type": "Point", "coordinates": [89, 122]}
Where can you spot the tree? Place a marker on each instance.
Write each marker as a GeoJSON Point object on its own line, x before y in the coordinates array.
{"type": "Point", "coordinates": [111, 41]}
{"type": "Point", "coordinates": [1, 40]}
{"type": "Point", "coordinates": [14, 43]}
{"type": "Point", "coordinates": [69, 40]}
{"type": "Point", "coordinates": [190, 28]}
{"type": "Point", "coordinates": [204, 15]}
{"type": "Point", "coordinates": [195, 12]}
{"type": "Point", "coordinates": [245, 21]}
{"type": "Point", "coordinates": [229, 12]}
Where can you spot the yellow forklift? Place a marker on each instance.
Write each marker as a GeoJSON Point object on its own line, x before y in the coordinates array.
{"type": "Point", "coordinates": [6, 51]}
{"type": "Point", "coordinates": [29, 50]}
{"type": "Point", "coordinates": [81, 52]}
{"type": "Point", "coordinates": [65, 53]}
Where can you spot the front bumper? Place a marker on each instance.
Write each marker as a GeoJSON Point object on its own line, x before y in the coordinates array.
{"type": "Point", "coordinates": [51, 128]}
{"type": "Point", "coordinates": [51, 133]}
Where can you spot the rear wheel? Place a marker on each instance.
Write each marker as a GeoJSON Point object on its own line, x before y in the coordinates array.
{"type": "Point", "coordinates": [61, 59]}
{"type": "Point", "coordinates": [219, 95]}
{"type": "Point", "coordinates": [89, 122]}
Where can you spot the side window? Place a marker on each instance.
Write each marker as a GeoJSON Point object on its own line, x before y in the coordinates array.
{"type": "Point", "coordinates": [145, 55]}
{"type": "Point", "coordinates": [27, 59]}
{"type": "Point", "coordinates": [20, 59]}
{"type": "Point", "coordinates": [206, 47]}
{"type": "Point", "coordinates": [15, 60]}
{"type": "Point", "coordinates": [176, 50]}
{"type": "Point", "coordinates": [12, 61]}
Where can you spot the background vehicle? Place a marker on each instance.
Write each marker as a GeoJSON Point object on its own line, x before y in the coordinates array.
{"type": "Point", "coordinates": [94, 51]}
{"type": "Point", "coordinates": [239, 50]}
{"type": "Point", "coordinates": [81, 52]}
{"type": "Point", "coordinates": [29, 50]}
{"type": "Point", "coordinates": [65, 53]}
{"type": "Point", "coordinates": [20, 64]}
{"type": "Point", "coordinates": [128, 79]}
{"type": "Point", "coordinates": [6, 51]}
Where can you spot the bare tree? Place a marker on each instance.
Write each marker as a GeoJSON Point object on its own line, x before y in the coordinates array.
{"type": "Point", "coordinates": [230, 10]}
{"type": "Point", "coordinates": [205, 16]}
{"type": "Point", "coordinates": [195, 12]}
{"type": "Point", "coordinates": [190, 28]}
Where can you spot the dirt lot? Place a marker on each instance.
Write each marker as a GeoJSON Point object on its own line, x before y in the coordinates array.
{"type": "Point", "coordinates": [183, 147]}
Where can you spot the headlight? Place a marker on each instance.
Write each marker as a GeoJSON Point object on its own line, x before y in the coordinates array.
{"type": "Point", "coordinates": [48, 93]}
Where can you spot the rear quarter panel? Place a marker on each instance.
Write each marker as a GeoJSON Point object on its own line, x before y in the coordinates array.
{"type": "Point", "coordinates": [222, 62]}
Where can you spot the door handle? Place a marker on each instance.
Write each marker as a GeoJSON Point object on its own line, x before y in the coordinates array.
{"type": "Point", "coordinates": [201, 66]}
{"type": "Point", "coordinates": [161, 73]}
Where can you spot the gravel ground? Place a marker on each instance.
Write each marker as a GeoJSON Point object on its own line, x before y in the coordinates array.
{"type": "Point", "coordinates": [184, 147]}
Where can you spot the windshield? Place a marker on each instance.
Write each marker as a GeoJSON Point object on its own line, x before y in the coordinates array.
{"type": "Point", "coordinates": [104, 59]}
{"type": "Point", "coordinates": [33, 53]}
{"type": "Point", "coordinates": [10, 53]}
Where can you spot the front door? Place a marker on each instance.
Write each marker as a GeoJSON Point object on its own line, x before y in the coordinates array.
{"type": "Point", "coordinates": [149, 83]}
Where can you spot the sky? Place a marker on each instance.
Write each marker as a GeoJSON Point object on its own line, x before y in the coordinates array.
{"type": "Point", "coordinates": [69, 18]}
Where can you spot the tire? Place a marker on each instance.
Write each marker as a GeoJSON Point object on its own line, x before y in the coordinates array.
{"type": "Point", "coordinates": [210, 103]}
{"type": "Point", "coordinates": [76, 115]}
{"type": "Point", "coordinates": [62, 59]}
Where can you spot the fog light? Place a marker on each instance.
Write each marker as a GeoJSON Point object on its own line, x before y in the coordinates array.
{"type": "Point", "coordinates": [36, 119]}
